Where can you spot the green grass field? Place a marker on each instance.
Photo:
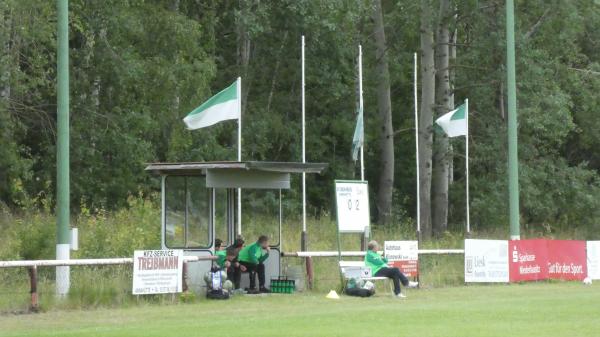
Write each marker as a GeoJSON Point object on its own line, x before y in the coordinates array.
{"type": "Point", "coordinates": [543, 309]}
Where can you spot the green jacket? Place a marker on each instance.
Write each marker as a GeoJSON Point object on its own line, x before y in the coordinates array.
{"type": "Point", "coordinates": [253, 254]}
{"type": "Point", "coordinates": [221, 257]}
{"type": "Point", "coordinates": [375, 261]}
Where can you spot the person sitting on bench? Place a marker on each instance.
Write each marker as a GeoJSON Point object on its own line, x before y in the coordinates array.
{"type": "Point", "coordinates": [218, 245]}
{"type": "Point", "coordinates": [227, 261]}
{"type": "Point", "coordinates": [379, 268]}
{"type": "Point", "coordinates": [252, 257]}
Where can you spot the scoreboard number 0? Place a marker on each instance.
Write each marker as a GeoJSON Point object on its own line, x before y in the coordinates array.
{"type": "Point", "coordinates": [350, 205]}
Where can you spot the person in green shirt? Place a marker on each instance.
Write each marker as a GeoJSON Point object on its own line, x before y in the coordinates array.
{"type": "Point", "coordinates": [218, 245]}
{"type": "Point", "coordinates": [379, 268]}
{"type": "Point", "coordinates": [227, 259]}
{"type": "Point", "coordinates": [252, 257]}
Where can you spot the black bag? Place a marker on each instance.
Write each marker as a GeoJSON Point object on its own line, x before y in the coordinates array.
{"type": "Point", "coordinates": [360, 292]}
{"type": "Point", "coordinates": [215, 287]}
{"type": "Point", "coordinates": [217, 294]}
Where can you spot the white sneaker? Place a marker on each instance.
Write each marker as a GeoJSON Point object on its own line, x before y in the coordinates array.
{"type": "Point", "coordinates": [412, 284]}
{"type": "Point", "coordinates": [401, 295]}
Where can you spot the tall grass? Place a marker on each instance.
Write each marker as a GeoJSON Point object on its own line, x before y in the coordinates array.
{"type": "Point", "coordinates": [30, 234]}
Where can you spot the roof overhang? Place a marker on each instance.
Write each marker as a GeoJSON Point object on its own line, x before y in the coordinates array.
{"type": "Point", "coordinates": [248, 174]}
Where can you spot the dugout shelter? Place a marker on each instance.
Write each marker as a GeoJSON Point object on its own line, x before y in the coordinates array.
{"type": "Point", "coordinates": [199, 203]}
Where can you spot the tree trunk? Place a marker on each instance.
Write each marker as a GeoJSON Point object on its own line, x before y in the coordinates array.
{"type": "Point", "coordinates": [6, 26]}
{"type": "Point", "coordinates": [244, 47]}
{"type": "Point", "coordinates": [441, 165]}
{"type": "Point", "coordinates": [386, 141]}
{"type": "Point", "coordinates": [276, 70]}
{"type": "Point", "coordinates": [451, 101]}
{"type": "Point", "coordinates": [426, 116]}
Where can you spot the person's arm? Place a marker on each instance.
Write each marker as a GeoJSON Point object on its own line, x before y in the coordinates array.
{"type": "Point", "coordinates": [375, 259]}
{"type": "Point", "coordinates": [264, 256]}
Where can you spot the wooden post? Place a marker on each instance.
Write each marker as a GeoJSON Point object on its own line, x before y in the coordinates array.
{"type": "Point", "coordinates": [184, 272]}
{"type": "Point", "coordinates": [34, 307]}
{"type": "Point", "coordinates": [419, 240]}
{"type": "Point", "coordinates": [363, 242]}
{"type": "Point", "coordinates": [309, 272]}
{"type": "Point", "coordinates": [308, 260]}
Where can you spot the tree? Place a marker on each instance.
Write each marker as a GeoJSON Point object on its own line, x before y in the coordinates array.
{"type": "Point", "coordinates": [426, 115]}
{"type": "Point", "coordinates": [386, 138]}
{"type": "Point", "coordinates": [444, 103]}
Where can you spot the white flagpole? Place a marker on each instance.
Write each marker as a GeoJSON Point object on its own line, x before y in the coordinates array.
{"type": "Point", "coordinates": [360, 105]}
{"type": "Point", "coordinates": [467, 163]}
{"type": "Point", "coordinates": [417, 147]}
{"type": "Point", "coordinates": [239, 148]}
{"type": "Point", "coordinates": [303, 146]}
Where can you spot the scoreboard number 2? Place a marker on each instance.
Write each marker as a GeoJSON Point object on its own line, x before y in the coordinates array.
{"type": "Point", "coordinates": [350, 205]}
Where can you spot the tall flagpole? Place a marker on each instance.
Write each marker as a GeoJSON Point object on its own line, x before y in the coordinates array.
{"type": "Point", "coordinates": [362, 112]}
{"type": "Point", "coordinates": [62, 147]}
{"type": "Point", "coordinates": [417, 148]}
{"type": "Point", "coordinates": [239, 148]}
{"type": "Point", "coordinates": [513, 146]}
{"type": "Point", "coordinates": [467, 163]}
{"type": "Point", "coordinates": [303, 147]}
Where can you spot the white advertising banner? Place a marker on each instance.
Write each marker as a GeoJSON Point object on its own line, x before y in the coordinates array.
{"type": "Point", "coordinates": [486, 261]}
{"type": "Point", "coordinates": [403, 255]}
{"type": "Point", "coordinates": [157, 271]}
{"type": "Point", "coordinates": [401, 250]}
{"type": "Point", "coordinates": [593, 259]}
{"type": "Point", "coordinates": [352, 200]}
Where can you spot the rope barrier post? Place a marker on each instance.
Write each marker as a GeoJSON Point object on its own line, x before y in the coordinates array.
{"type": "Point", "coordinates": [34, 307]}
{"type": "Point", "coordinates": [307, 260]}
{"type": "Point", "coordinates": [184, 272]}
{"type": "Point", "coordinates": [364, 238]}
{"type": "Point", "coordinates": [418, 258]}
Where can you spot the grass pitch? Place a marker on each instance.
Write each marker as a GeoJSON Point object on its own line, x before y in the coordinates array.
{"type": "Point", "coordinates": [543, 309]}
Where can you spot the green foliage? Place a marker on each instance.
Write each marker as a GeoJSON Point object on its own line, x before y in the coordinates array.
{"type": "Point", "coordinates": [138, 67]}
{"type": "Point", "coordinates": [118, 234]}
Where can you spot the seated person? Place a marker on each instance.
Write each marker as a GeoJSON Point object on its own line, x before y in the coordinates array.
{"type": "Point", "coordinates": [224, 258]}
{"type": "Point", "coordinates": [252, 257]}
{"type": "Point", "coordinates": [227, 260]}
{"type": "Point", "coordinates": [238, 244]}
{"type": "Point", "coordinates": [379, 268]}
{"type": "Point", "coordinates": [218, 245]}
{"type": "Point", "coordinates": [237, 269]}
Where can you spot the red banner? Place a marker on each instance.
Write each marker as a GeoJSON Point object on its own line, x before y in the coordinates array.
{"type": "Point", "coordinates": [528, 260]}
{"type": "Point", "coordinates": [410, 268]}
{"type": "Point", "coordinates": [567, 259]}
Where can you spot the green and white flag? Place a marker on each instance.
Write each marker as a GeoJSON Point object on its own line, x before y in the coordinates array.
{"type": "Point", "coordinates": [455, 122]}
{"type": "Point", "coordinates": [222, 106]}
{"type": "Point", "coordinates": [358, 139]}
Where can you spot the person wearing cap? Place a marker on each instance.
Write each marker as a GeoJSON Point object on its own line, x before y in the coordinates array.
{"type": "Point", "coordinates": [379, 268]}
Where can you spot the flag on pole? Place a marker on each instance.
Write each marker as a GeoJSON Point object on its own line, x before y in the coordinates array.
{"type": "Point", "coordinates": [222, 106]}
{"type": "Point", "coordinates": [454, 123]}
{"type": "Point", "coordinates": [358, 139]}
